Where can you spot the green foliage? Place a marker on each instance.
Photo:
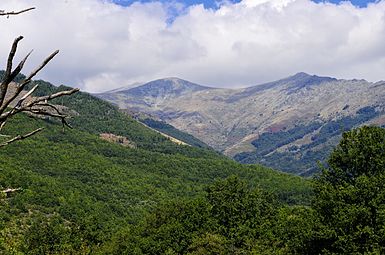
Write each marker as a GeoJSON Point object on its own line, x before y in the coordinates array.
{"type": "Point", "coordinates": [209, 244]}
{"type": "Point", "coordinates": [172, 225]}
{"type": "Point", "coordinates": [294, 228]}
{"type": "Point", "coordinates": [238, 211]}
{"type": "Point", "coordinates": [19, 77]}
{"type": "Point", "coordinates": [167, 129]}
{"type": "Point", "coordinates": [347, 215]}
{"type": "Point", "coordinates": [95, 188]}
{"type": "Point", "coordinates": [50, 234]}
{"type": "Point", "coordinates": [227, 220]}
{"type": "Point", "coordinates": [360, 152]}
{"type": "Point", "coordinates": [350, 195]}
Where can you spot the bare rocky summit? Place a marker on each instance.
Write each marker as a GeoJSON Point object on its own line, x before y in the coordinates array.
{"type": "Point", "coordinates": [287, 124]}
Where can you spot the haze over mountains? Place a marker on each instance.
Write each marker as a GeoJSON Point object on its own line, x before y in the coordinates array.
{"type": "Point", "coordinates": [288, 124]}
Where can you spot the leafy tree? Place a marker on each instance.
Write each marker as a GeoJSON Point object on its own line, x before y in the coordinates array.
{"type": "Point", "coordinates": [209, 244]}
{"type": "Point", "coordinates": [294, 228]}
{"type": "Point", "coordinates": [350, 195]}
{"type": "Point", "coordinates": [49, 235]}
{"type": "Point", "coordinates": [240, 213]}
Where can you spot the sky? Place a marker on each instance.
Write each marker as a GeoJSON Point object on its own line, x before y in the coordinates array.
{"type": "Point", "coordinates": [215, 3]}
{"type": "Point", "coordinates": [107, 44]}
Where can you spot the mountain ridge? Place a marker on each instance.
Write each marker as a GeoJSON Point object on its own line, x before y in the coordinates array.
{"type": "Point", "coordinates": [231, 120]}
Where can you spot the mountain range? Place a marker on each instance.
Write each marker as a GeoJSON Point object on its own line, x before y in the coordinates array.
{"type": "Point", "coordinates": [287, 124]}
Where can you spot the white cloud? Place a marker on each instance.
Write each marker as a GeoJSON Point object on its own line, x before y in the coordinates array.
{"type": "Point", "coordinates": [105, 46]}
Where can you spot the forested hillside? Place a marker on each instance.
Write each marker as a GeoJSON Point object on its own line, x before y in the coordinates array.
{"type": "Point", "coordinates": [76, 193]}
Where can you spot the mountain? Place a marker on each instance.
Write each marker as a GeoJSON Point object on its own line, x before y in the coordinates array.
{"type": "Point", "coordinates": [75, 189]}
{"type": "Point", "coordinates": [288, 124]}
{"type": "Point", "coordinates": [156, 92]}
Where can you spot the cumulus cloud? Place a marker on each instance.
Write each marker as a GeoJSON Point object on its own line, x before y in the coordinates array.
{"type": "Point", "coordinates": [105, 46]}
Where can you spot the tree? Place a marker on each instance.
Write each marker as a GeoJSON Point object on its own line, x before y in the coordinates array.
{"type": "Point", "coordinates": [350, 195]}
{"type": "Point", "coordinates": [15, 99]}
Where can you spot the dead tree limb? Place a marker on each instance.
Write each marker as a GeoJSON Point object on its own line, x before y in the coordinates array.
{"type": "Point", "coordinates": [17, 101]}
{"type": "Point", "coordinates": [12, 103]}
{"type": "Point", "coordinates": [10, 190]}
{"type": "Point", "coordinates": [20, 137]}
{"type": "Point", "coordinates": [4, 13]}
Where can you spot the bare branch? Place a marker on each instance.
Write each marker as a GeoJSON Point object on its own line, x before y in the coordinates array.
{"type": "Point", "coordinates": [53, 96]}
{"type": "Point", "coordinates": [29, 93]}
{"type": "Point", "coordinates": [19, 67]}
{"type": "Point", "coordinates": [12, 55]}
{"type": "Point", "coordinates": [8, 72]}
{"type": "Point", "coordinates": [53, 107]}
{"type": "Point", "coordinates": [42, 65]}
{"type": "Point", "coordinates": [27, 107]}
{"type": "Point", "coordinates": [2, 125]}
{"type": "Point", "coordinates": [46, 113]}
{"type": "Point", "coordinates": [11, 190]}
{"type": "Point", "coordinates": [35, 106]}
{"type": "Point", "coordinates": [3, 13]}
{"type": "Point", "coordinates": [26, 81]}
{"type": "Point", "coordinates": [21, 137]}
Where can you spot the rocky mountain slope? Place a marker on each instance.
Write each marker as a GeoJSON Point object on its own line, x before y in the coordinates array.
{"type": "Point", "coordinates": [288, 124]}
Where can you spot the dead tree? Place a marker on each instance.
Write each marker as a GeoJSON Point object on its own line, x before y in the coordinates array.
{"type": "Point", "coordinates": [18, 99]}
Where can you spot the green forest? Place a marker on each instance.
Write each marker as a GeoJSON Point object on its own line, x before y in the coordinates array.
{"type": "Point", "coordinates": [78, 194]}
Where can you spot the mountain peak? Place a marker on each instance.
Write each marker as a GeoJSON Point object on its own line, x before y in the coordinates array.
{"type": "Point", "coordinates": [166, 86]}
{"type": "Point", "coordinates": [302, 80]}
{"type": "Point", "coordinates": [301, 75]}
{"type": "Point", "coordinates": [174, 79]}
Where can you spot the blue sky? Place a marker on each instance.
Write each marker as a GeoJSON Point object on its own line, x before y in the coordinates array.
{"type": "Point", "coordinates": [214, 3]}
{"type": "Point", "coordinates": [207, 3]}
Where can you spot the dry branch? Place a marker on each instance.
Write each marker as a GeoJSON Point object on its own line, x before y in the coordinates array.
{"type": "Point", "coordinates": [20, 137]}
{"type": "Point", "coordinates": [35, 105]}
{"type": "Point", "coordinates": [11, 190]}
{"type": "Point", "coordinates": [8, 72]}
{"type": "Point", "coordinates": [26, 81]}
{"type": "Point", "coordinates": [4, 13]}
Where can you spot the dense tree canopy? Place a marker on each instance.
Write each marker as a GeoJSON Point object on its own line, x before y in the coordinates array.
{"type": "Point", "coordinates": [350, 194]}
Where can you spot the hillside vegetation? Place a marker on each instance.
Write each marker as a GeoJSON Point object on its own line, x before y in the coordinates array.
{"type": "Point", "coordinates": [78, 194]}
